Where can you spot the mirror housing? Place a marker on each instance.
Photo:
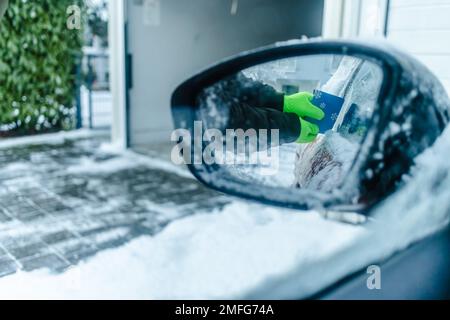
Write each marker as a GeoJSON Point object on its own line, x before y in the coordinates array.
{"type": "Point", "coordinates": [413, 110]}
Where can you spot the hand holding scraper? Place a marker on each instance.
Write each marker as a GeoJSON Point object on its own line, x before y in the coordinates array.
{"type": "Point", "coordinates": [331, 105]}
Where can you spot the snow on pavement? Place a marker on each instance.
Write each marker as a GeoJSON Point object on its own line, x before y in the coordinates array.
{"type": "Point", "coordinates": [249, 250]}
{"type": "Point", "coordinates": [127, 160]}
{"type": "Point", "coordinates": [64, 202]}
{"type": "Point", "coordinates": [52, 138]}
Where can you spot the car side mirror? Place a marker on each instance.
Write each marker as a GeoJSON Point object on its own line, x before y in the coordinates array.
{"type": "Point", "coordinates": [308, 124]}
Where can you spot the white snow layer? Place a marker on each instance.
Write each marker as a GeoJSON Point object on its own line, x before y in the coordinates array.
{"type": "Point", "coordinates": [125, 160]}
{"type": "Point", "coordinates": [249, 250]}
{"type": "Point", "coordinates": [219, 255]}
{"type": "Point", "coordinates": [50, 138]}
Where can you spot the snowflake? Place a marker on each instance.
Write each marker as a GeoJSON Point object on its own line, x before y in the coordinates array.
{"type": "Point", "coordinates": [323, 105]}
{"type": "Point", "coordinates": [334, 116]}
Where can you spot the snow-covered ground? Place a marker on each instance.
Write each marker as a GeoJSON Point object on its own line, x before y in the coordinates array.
{"type": "Point", "coordinates": [250, 250]}
{"type": "Point", "coordinates": [220, 255]}
{"type": "Point", "coordinates": [54, 138]}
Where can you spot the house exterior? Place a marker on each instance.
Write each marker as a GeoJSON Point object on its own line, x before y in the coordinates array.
{"type": "Point", "coordinates": [156, 44]}
{"type": "Point", "coordinates": [420, 27]}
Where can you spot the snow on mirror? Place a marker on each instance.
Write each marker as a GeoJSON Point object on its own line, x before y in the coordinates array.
{"type": "Point", "coordinates": [291, 123]}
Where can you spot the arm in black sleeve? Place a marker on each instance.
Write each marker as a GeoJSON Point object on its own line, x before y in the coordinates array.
{"type": "Point", "coordinates": [244, 117]}
{"type": "Point", "coordinates": [254, 93]}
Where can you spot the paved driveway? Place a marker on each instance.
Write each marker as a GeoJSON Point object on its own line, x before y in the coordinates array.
{"type": "Point", "coordinates": [61, 203]}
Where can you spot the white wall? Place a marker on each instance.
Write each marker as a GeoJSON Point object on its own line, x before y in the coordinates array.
{"type": "Point", "coordinates": [117, 71]}
{"type": "Point", "coordinates": [193, 34]}
{"type": "Point", "coordinates": [354, 18]}
{"type": "Point", "coordinates": [422, 27]}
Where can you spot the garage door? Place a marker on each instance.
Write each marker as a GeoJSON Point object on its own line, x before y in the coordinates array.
{"type": "Point", "coordinates": [422, 27]}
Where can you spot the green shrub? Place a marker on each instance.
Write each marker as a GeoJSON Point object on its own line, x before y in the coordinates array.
{"type": "Point", "coordinates": [38, 56]}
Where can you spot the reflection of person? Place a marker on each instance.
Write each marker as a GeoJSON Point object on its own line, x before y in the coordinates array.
{"type": "Point", "coordinates": [3, 7]}
{"type": "Point", "coordinates": [254, 105]}
{"type": "Point", "coordinates": [323, 165]}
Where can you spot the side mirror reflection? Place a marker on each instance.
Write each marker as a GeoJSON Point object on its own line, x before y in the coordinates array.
{"type": "Point", "coordinates": [291, 123]}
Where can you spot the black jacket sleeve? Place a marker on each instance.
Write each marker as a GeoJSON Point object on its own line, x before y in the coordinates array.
{"type": "Point", "coordinates": [259, 106]}
{"type": "Point", "coordinates": [244, 117]}
{"type": "Point", "coordinates": [254, 105]}
{"type": "Point", "coordinates": [254, 93]}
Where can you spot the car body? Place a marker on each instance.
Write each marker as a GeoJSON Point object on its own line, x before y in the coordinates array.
{"type": "Point", "coordinates": [413, 111]}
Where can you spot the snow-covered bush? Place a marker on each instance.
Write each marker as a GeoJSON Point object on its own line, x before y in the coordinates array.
{"type": "Point", "coordinates": [38, 54]}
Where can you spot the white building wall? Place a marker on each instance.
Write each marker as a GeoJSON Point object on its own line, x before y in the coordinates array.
{"type": "Point", "coordinates": [172, 39]}
{"type": "Point", "coordinates": [117, 72]}
{"type": "Point", "coordinates": [422, 27]}
{"type": "Point", "coordinates": [354, 18]}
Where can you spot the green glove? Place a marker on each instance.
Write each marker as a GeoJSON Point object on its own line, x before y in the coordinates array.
{"type": "Point", "coordinates": [300, 104]}
{"type": "Point", "coordinates": [309, 131]}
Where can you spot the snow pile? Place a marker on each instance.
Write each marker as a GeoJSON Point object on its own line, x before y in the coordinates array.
{"type": "Point", "coordinates": [419, 209]}
{"type": "Point", "coordinates": [123, 160]}
{"type": "Point", "coordinates": [88, 165]}
{"type": "Point", "coordinates": [219, 255]}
